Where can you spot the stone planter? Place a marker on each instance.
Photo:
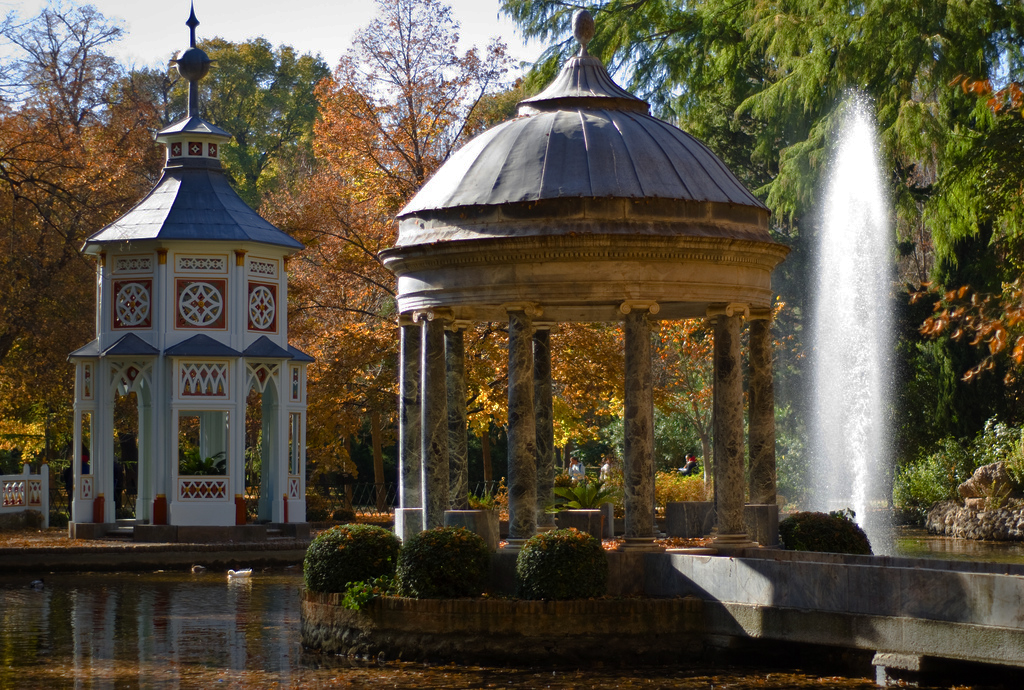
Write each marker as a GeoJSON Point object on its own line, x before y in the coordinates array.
{"type": "Point", "coordinates": [689, 519]}
{"type": "Point", "coordinates": [482, 522]}
{"type": "Point", "coordinates": [608, 512]}
{"type": "Point", "coordinates": [589, 521]}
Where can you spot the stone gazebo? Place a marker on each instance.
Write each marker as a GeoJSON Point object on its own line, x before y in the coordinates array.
{"type": "Point", "coordinates": [584, 208]}
{"type": "Point", "coordinates": [191, 315]}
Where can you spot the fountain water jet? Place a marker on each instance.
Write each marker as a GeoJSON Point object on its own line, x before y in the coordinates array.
{"type": "Point", "coordinates": [852, 335]}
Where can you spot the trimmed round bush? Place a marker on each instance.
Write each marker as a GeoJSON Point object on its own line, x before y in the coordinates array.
{"type": "Point", "coordinates": [444, 563]}
{"type": "Point", "coordinates": [563, 564]}
{"type": "Point", "coordinates": [834, 532]}
{"type": "Point", "coordinates": [349, 553]}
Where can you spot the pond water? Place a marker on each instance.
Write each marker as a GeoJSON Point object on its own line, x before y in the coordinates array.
{"type": "Point", "coordinates": [185, 630]}
{"type": "Point", "coordinates": [171, 630]}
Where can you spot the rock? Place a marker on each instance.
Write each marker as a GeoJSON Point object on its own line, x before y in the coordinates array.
{"type": "Point", "coordinates": [987, 480]}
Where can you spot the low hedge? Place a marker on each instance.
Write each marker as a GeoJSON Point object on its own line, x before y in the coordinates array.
{"type": "Point", "coordinates": [563, 564]}
{"type": "Point", "coordinates": [834, 532]}
{"type": "Point", "coordinates": [444, 563]}
{"type": "Point", "coordinates": [349, 553]}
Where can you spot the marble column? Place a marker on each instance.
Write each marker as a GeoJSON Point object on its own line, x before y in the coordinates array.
{"type": "Point", "coordinates": [409, 515]}
{"type": "Point", "coordinates": [522, 435]}
{"type": "Point", "coordinates": [761, 410]}
{"type": "Point", "coordinates": [543, 409]}
{"type": "Point", "coordinates": [434, 403]}
{"type": "Point", "coordinates": [458, 452]}
{"type": "Point", "coordinates": [638, 465]}
{"type": "Point", "coordinates": [730, 483]}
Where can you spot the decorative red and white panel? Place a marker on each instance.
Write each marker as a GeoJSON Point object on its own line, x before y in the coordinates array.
{"type": "Point", "coordinates": [132, 302]}
{"type": "Point", "coordinates": [203, 380]}
{"type": "Point", "coordinates": [86, 490]}
{"type": "Point", "coordinates": [13, 493]}
{"type": "Point", "coordinates": [35, 492]}
{"type": "Point", "coordinates": [294, 488]}
{"type": "Point", "coordinates": [87, 381]}
{"type": "Point", "coordinates": [263, 307]}
{"type": "Point", "coordinates": [296, 385]}
{"type": "Point", "coordinates": [201, 304]}
{"type": "Point", "coordinates": [202, 488]}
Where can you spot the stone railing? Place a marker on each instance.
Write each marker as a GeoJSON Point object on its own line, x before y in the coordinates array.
{"type": "Point", "coordinates": [26, 491]}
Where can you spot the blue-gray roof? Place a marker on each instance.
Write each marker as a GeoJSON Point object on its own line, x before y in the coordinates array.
{"type": "Point", "coordinates": [264, 348]}
{"type": "Point", "coordinates": [191, 202]}
{"type": "Point", "coordinates": [201, 345]}
{"type": "Point", "coordinates": [298, 355]}
{"type": "Point", "coordinates": [130, 345]}
{"type": "Point", "coordinates": [194, 125]}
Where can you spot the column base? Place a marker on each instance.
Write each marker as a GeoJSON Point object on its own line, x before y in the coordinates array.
{"type": "Point", "coordinates": [408, 522]}
{"type": "Point", "coordinates": [514, 545]}
{"type": "Point", "coordinates": [635, 544]}
{"type": "Point", "coordinates": [732, 544]}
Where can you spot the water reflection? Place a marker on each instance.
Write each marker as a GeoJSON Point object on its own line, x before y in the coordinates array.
{"type": "Point", "coordinates": [179, 630]}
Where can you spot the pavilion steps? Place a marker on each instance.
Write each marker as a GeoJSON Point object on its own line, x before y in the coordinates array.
{"type": "Point", "coordinates": [124, 531]}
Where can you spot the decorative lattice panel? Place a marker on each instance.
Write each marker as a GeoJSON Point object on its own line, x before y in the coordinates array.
{"type": "Point", "coordinates": [266, 268]}
{"type": "Point", "coordinates": [262, 307]}
{"type": "Point", "coordinates": [294, 488]}
{"type": "Point", "coordinates": [202, 488]}
{"type": "Point", "coordinates": [203, 380]}
{"type": "Point", "coordinates": [86, 487]}
{"type": "Point", "coordinates": [133, 264]}
{"type": "Point", "coordinates": [260, 375]}
{"type": "Point", "coordinates": [14, 493]}
{"type": "Point", "coordinates": [201, 304]}
{"type": "Point", "coordinates": [201, 264]}
{"type": "Point", "coordinates": [132, 303]}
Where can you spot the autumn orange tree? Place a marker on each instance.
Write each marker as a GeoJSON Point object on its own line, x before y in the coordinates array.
{"type": "Point", "coordinates": [394, 110]}
{"type": "Point", "coordinates": [76, 151]}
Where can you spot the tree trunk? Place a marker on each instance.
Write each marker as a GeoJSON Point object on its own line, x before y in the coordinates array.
{"type": "Point", "coordinates": [378, 462]}
{"type": "Point", "coordinates": [348, 457]}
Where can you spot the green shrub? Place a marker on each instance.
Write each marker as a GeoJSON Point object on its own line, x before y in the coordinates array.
{"type": "Point", "coordinates": [343, 515]}
{"type": "Point", "coordinates": [587, 495]}
{"type": "Point", "coordinates": [564, 564]}
{"type": "Point", "coordinates": [444, 563]}
{"type": "Point", "coordinates": [349, 553]}
{"type": "Point", "coordinates": [358, 595]}
{"type": "Point", "coordinates": [834, 532]}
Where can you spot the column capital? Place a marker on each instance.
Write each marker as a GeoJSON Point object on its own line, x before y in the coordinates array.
{"type": "Point", "coordinates": [531, 309]}
{"type": "Point", "coordinates": [632, 305]}
{"type": "Point", "coordinates": [757, 314]}
{"type": "Point", "coordinates": [406, 320]}
{"type": "Point", "coordinates": [457, 324]}
{"type": "Point", "coordinates": [545, 326]}
{"type": "Point", "coordinates": [732, 309]}
{"type": "Point", "coordinates": [435, 313]}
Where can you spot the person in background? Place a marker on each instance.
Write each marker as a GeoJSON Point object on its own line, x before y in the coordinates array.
{"type": "Point", "coordinates": [690, 467]}
{"type": "Point", "coordinates": [576, 470]}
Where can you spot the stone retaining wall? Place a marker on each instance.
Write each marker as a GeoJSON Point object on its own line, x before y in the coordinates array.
{"type": "Point", "coordinates": [950, 519]}
{"type": "Point", "coordinates": [506, 631]}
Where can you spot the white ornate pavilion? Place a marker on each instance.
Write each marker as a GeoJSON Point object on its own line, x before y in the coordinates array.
{"type": "Point", "coordinates": [191, 316]}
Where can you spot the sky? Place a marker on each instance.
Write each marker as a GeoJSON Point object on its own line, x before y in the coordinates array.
{"type": "Point", "coordinates": [156, 28]}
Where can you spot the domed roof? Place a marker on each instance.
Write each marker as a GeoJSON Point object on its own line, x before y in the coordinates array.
{"type": "Point", "coordinates": [582, 137]}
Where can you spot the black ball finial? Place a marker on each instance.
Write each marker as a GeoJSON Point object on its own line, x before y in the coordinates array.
{"type": "Point", "coordinates": [193, 64]}
{"type": "Point", "coordinates": [583, 28]}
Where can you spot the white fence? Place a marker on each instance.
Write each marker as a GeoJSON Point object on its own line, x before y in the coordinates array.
{"type": "Point", "coordinates": [26, 491]}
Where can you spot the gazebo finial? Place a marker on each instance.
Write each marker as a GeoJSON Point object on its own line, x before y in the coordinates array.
{"type": "Point", "coordinates": [583, 29]}
{"type": "Point", "coordinates": [193, 64]}
{"type": "Point", "coordinates": [192, 23]}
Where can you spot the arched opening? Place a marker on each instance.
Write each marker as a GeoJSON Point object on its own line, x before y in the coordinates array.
{"type": "Point", "coordinates": [253, 453]}
{"type": "Point", "coordinates": [263, 453]}
{"type": "Point", "coordinates": [126, 454]}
